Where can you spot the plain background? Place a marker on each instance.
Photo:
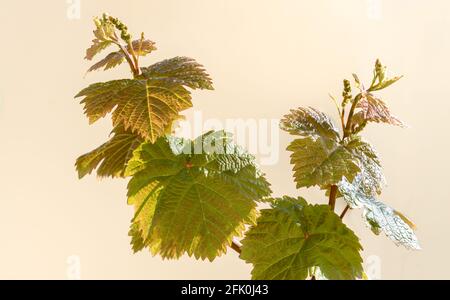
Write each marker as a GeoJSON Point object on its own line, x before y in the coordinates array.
{"type": "Point", "coordinates": [265, 57]}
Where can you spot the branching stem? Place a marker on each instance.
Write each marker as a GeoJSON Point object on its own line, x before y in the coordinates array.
{"type": "Point", "coordinates": [128, 57]}
{"type": "Point", "coordinates": [135, 58]}
{"type": "Point", "coordinates": [346, 132]}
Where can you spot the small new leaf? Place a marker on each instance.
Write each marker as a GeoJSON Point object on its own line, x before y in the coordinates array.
{"type": "Point", "coordinates": [357, 81]}
{"type": "Point", "coordinates": [104, 37]}
{"type": "Point", "coordinates": [192, 197]}
{"type": "Point", "coordinates": [113, 59]}
{"type": "Point", "coordinates": [293, 237]}
{"type": "Point", "coordinates": [373, 109]}
{"type": "Point", "coordinates": [386, 83]}
{"type": "Point", "coordinates": [379, 80]}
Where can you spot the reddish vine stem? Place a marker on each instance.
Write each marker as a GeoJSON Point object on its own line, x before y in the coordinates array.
{"type": "Point", "coordinates": [236, 247]}
{"type": "Point", "coordinates": [134, 58]}
{"type": "Point", "coordinates": [347, 129]}
{"type": "Point", "coordinates": [130, 61]}
{"type": "Point", "coordinates": [346, 132]}
{"type": "Point", "coordinates": [332, 199]}
{"type": "Point", "coordinates": [128, 56]}
{"type": "Point", "coordinates": [344, 212]}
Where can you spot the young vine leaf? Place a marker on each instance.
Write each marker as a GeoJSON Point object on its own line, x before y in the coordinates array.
{"type": "Point", "coordinates": [116, 58]}
{"type": "Point", "coordinates": [318, 157]}
{"type": "Point", "coordinates": [192, 203]}
{"type": "Point", "coordinates": [105, 36]}
{"type": "Point", "coordinates": [375, 110]}
{"type": "Point", "coordinates": [309, 122]}
{"type": "Point", "coordinates": [110, 158]}
{"type": "Point", "coordinates": [293, 237]}
{"type": "Point", "coordinates": [148, 104]}
{"type": "Point", "coordinates": [371, 175]}
{"type": "Point", "coordinates": [378, 215]}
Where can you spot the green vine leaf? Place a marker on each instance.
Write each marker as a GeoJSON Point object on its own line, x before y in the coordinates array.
{"type": "Point", "coordinates": [318, 156]}
{"type": "Point", "coordinates": [192, 197]}
{"type": "Point", "coordinates": [149, 104]}
{"type": "Point", "coordinates": [114, 59]}
{"type": "Point", "coordinates": [293, 237]}
{"type": "Point", "coordinates": [321, 162]}
{"type": "Point", "coordinates": [378, 215]}
{"type": "Point", "coordinates": [110, 158]}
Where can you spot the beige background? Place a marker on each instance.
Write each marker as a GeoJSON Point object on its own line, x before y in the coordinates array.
{"type": "Point", "coordinates": [265, 57]}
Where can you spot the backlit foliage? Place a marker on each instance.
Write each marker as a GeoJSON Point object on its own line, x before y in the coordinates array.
{"type": "Point", "coordinates": [196, 197]}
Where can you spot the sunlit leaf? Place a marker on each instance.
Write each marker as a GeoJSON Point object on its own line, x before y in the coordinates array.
{"type": "Point", "coordinates": [149, 104]}
{"type": "Point", "coordinates": [111, 158]}
{"type": "Point", "coordinates": [321, 162]}
{"type": "Point", "coordinates": [378, 215]}
{"type": "Point", "coordinates": [293, 237]}
{"type": "Point", "coordinates": [371, 176]}
{"type": "Point", "coordinates": [318, 156]}
{"type": "Point", "coordinates": [309, 121]}
{"type": "Point", "coordinates": [192, 197]}
{"type": "Point", "coordinates": [373, 109]}
{"type": "Point", "coordinates": [179, 70]}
